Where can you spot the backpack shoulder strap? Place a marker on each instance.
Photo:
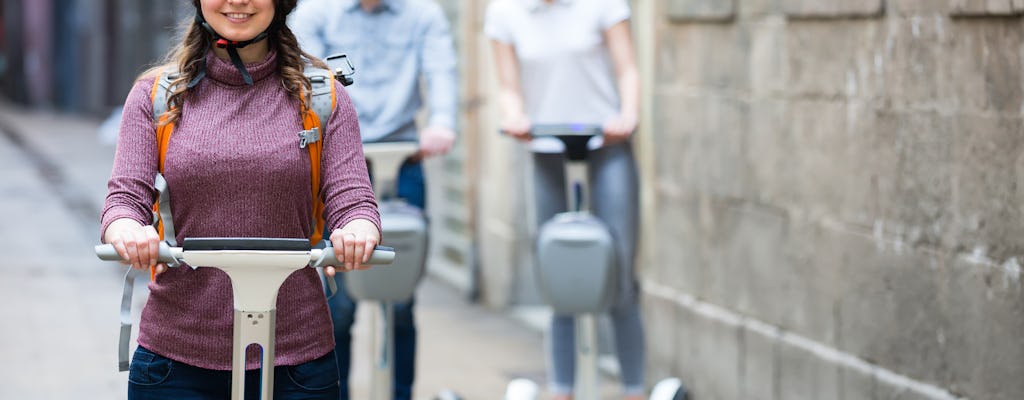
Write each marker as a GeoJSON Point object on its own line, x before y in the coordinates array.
{"type": "Point", "coordinates": [160, 92]}
{"type": "Point", "coordinates": [322, 98]}
{"type": "Point", "coordinates": [316, 111]}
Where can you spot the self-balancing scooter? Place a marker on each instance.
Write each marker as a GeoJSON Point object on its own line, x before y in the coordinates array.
{"type": "Point", "coordinates": [257, 268]}
{"type": "Point", "coordinates": [577, 271]}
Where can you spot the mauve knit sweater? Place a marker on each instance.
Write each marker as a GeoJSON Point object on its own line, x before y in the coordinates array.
{"type": "Point", "coordinates": [235, 169]}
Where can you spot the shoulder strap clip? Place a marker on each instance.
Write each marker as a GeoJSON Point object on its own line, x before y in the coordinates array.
{"type": "Point", "coordinates": [309, 136]}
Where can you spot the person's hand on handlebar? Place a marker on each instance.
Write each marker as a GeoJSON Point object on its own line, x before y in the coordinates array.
{"type": "Point", "coordinates": [436, 141]}
{"type": "Point", "coordinates": [137, 243]}
{"type": "Point", "coordinates": [618, 129]}
{"type": "Point", "coordinates": [353, 244]}
{"type": "Point", "coordinates": [518, 127]}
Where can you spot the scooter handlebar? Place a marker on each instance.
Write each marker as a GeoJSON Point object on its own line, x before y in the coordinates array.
{"type": "Point", "coordinates": [318, 257]}
{"type": "Point", "coordinates": [106, 252]}
{"type": "Point", "coordinates": [537, 130]}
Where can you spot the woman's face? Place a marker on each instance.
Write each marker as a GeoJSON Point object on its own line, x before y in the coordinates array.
{"type": "Point", "coordinates": [238, 20]}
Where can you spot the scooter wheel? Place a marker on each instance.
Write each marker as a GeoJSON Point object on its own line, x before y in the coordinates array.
{"type": "Point", "coordinates": [522, 389]}
{"type": "Point", "coordinates": [670, 389]}
{"type": "Point", "coordinates": [447, 394]}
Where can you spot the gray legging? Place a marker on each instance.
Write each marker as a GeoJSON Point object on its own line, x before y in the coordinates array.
{"type": "Point", "coordinates": [614, 198]}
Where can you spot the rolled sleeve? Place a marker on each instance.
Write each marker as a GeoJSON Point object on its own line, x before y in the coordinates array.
{"type": "Point", "coordinates": [495, 26]}
{"type": "Point", "coordinates": [614, 12]}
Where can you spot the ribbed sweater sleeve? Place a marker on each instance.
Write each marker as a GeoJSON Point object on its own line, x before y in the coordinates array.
{"type": "Point", "coordinates": [130, 191]}
{"type": "Point", "coordinates": [346, 189]}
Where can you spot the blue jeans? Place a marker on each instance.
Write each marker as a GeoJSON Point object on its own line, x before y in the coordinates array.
{"type": "Point", "coordinates": [412, 188]}
{"type": "Point", "coordinates": [155, 377]}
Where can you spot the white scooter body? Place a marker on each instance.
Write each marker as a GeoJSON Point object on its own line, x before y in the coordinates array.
{"type": "Point", "coordinates": [257, 268]}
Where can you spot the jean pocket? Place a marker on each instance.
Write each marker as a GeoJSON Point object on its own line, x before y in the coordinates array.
{"type": "Point", "coordinates": [315, 376]}
{"type": "Point", "coordinates": [148, 368]}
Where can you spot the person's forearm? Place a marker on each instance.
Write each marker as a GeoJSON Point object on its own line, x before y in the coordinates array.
{"type": "Point", "coordinates": [629, 93]}
{"type": "Point", "coordinates": [511, 103]}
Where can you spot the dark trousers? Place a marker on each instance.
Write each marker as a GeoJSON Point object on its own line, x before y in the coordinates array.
{"type": "Point", "coordinates": [155, 377]}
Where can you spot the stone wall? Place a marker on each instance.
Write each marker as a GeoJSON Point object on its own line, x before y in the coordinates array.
{"type": "Point", "coordinates": [836, 212]}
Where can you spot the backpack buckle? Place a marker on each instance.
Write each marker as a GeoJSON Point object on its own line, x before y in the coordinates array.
{"type": "Point", "coordinates": [308, 136]}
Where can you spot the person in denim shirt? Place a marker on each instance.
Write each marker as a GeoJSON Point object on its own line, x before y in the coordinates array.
{"type": "Point", "coordinates": [393, 44]}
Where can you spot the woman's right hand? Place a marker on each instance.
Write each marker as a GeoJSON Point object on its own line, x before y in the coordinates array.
{"type": "Point", "coordinates": [517, 126]}
{"type": "Point", "coordinates": [138, 245]}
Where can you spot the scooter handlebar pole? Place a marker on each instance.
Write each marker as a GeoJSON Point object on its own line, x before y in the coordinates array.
{"type": "Point", "coordinates": [317, 257]}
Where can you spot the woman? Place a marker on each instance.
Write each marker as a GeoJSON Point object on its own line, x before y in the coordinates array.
{"type": "Point", "coordinates": [571, 61]}
{"type": "Point", "coordinates": [234, 169]}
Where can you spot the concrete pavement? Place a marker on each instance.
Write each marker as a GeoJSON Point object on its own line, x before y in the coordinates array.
{"type": "Point", "coordinates": [60, 339]}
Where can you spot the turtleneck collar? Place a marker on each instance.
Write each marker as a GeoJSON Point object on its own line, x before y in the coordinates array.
{"type": "Point", "coordinates": [223, 71]}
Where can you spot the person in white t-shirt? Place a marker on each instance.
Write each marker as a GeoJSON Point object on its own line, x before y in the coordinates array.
{"type": "Point", "coordinates": [571, 61]}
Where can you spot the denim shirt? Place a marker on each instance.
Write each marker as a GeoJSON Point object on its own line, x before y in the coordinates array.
{"type": "Point", "coordinates": [391, 47]}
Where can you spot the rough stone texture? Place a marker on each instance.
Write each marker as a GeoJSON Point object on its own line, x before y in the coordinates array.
{"type": "Point", "coordinates": [701, 10]}
{"type": "Point", "coordinates": [986, 7]}
{"type": "Point", "coordinates": [832, 8]}
{"type": "Point", "coordinates": [846, 173]}
{"type": "Point", "coordinates": [665, 336]}
{"type": "Point", "coordinates": [854, 385]}
{"type": "Point", "coordinates": [802, 376]}
{"type": "Point", "coordinates": [760, 367]}
{"type": "Point", "coordinates": [919, 7]}
{"type": "Point", "coordinates": [712, 355]}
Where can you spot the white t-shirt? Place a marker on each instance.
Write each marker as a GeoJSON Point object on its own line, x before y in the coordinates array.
{"type": "Point", "coordinates": [566, 72]}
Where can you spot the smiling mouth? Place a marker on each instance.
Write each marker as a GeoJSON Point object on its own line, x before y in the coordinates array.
{"type": "Point", "coordinates": [237, 16]}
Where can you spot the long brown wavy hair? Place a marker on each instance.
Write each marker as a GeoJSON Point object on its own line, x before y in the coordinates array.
{"type": "Point", "coordinates": [188, 55]}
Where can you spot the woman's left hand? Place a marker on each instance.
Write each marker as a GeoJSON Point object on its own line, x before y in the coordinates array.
{"type": "Point", "coordinates": [618, 129]}
{"type": "Point", "coordinates": [353, 245]}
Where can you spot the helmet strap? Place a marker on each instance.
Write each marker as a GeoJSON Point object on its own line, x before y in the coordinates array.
{"type": "Point", "coordinates": [231, 46]}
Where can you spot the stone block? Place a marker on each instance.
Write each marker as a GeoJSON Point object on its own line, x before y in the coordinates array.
{"type": "Point", "coordinates": [887, 391]}
{"type": "Point", "coordinates": [918, 7]}
{"type": "Point", "coordinates": [986, 207]}
{"type": "Point", "coordinates": [975, 8]}
{"type": "Point", "coordinates": [914, 194]}
{"type": "Point", "coordinates": [984, 66]}
{"type": "Point", "coordinates": [711, 355]}
{"type": "Point", "coordinates": [855, 385]}
{"type": "Point", "coordinates": [814, 156]}
{"type": "Point", "coordinates": [833, 8]}
{"type": "Point", "coordinates": [663, 337]}
{"type": "Point", "coordinates": [910, 60]}
{"type": "Point", "coordinates": [888, 311]}
{"type": "Point", "coordinates": [701, 152]}
{"type": "Point", "coordinates": [709, 56]}
{"type": "Point", "coordinates": [768, 58]}
{"type": "Point", "coordinates": [835, 59]}
{"type": "Point", "coordinates": [760, 366]}
{"type": "Point", "coordinates": [982, 312]}
{"type": "Point", "coordinates": [751, 271]}
{"type": "Point", "coordinates": [759, 8]}
{"type": "Point", "coordinates": [681, 259]}
{"type": "Point", "coordinates": [701, 10]}
{"type": "Point", "coordinates": [804, 376]}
